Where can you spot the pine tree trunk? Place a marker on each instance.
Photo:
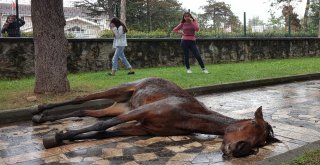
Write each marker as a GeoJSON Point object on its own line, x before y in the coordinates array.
{"type": "Point", "coordinates": [305, 17]}
{"type": "Point", "coordinates": [123, 11]}
{"type": "Point", "coordinates": [50, 46]}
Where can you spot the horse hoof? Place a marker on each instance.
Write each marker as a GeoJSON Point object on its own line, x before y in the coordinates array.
{"type": "Point", "coordinates": [50, 141]}
{"type": "Point", "coordinates": [38, 118]}
{"type": "Point", "coordinates": [34, 110]}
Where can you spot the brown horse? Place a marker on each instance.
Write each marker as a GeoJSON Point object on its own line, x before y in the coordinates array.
{"type": "Point", "coordinates": [157, 107]}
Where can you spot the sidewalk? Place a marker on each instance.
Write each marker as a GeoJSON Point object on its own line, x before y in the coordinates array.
{"type": "Point", "coordinates": [23, 114]}
{"type": "Point", "coordinates": [292, 109]}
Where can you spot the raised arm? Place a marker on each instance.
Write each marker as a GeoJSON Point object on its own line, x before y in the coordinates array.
{"type": "Point", "coordinates": [177, 29]}
{"type": "Point", "coordinates": [118, 32]}
{"type": "Point", "coordinates": [195, 25]}
{"type": "Point", "coordinates": [21, 22]}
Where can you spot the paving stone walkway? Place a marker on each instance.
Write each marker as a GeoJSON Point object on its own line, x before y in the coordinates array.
{"type": "Point", "coordinates": [292, 109]}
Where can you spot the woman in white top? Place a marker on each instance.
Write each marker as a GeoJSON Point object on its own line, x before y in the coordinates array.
{"type": "Point", "coordinates": [119, 43]}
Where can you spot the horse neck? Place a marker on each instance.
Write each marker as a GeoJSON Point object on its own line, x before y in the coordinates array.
{"type": "Point", "coordinates": [220, 119]}
{"type": "Point", "coordinates": [217, 118]}
{"type": "Point", "coordinates": [216, 123]}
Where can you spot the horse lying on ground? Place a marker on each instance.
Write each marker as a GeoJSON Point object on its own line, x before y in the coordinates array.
{"type": "Point", "coordinates": [157, 107]}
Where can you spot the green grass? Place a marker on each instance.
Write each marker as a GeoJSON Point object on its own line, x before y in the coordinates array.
{"type": "Point", "coordinates": [311, 157]}
{"type": "Point", "coordinates": [14, 92]}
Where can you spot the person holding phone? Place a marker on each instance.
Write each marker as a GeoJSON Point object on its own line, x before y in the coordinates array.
{"type": "Point", "coordinates": [187, 28]}
{"type": "Point", "coordinates": [12, 26]}
{"type": "Point", "coordinates": [119, 31]}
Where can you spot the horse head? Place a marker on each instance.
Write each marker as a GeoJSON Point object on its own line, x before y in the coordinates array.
{"type": "Point", "coordinates": [242, 137]}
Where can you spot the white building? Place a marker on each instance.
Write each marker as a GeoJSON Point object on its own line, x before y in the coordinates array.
{"type": "Point", "coordinates": [79, 24]}
{"type": "Point", "coordinates": [257, 28]}
{"type": "Point", "coordinates": [25, 2]}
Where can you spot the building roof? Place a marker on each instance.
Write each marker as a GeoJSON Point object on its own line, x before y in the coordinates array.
{"type": "Point", "coordinates": [81, 19]}
{"type": "Point", "coordinates": [25, 10]}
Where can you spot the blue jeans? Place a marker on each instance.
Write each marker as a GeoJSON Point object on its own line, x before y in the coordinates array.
{"type": "Point", "coordinates": [119, 53]}
{"type": "Point", "coordinates": [191, 45]}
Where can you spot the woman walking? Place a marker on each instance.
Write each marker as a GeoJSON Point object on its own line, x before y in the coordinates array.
{"type": "Point", "coordinates": [119, 31]}
{"type": "Point", "coordinates": [187, 28]}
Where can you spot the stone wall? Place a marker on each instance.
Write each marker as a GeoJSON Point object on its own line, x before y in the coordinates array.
{"type": "Point", "coordinates": [17, 54]}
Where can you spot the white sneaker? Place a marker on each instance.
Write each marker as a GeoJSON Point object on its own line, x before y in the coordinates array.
{"type": "Point", "coordinates": [205, 71]}
{"type": "Point", "coordinates": [189, 71]}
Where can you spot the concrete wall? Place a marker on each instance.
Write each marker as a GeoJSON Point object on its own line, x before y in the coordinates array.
{"type": "Point", "coordinates": [17, 54]}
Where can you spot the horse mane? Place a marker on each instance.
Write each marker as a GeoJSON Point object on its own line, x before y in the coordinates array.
{"type": "Point", "coordinates": [270, 138]}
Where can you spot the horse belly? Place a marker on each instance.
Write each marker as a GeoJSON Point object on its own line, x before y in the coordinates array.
{"type": "Point", "coordinates": [163, 130]}
{"type": "Point", "coordinates": [141, 98]}
{"type": "Point", "coordinates": [163, 123]}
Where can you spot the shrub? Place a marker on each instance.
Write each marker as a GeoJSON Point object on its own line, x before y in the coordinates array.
{"type": "Point", "coordinates": [137, 34]}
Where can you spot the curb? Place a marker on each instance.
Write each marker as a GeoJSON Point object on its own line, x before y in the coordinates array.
{"type": "Point", "coordinates": [251, 84]}
{"type": "Point", "coordinates": [23, 114]}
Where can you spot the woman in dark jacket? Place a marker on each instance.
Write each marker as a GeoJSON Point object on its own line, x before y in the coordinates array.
{"type": "Point", "coordinates": [12, 26]}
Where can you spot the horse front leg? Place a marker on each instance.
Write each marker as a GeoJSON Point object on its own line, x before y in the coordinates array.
{"type": "Point", "coordinates": [127, 129]}
{"type": "Point", "coordinates": [57, 138]}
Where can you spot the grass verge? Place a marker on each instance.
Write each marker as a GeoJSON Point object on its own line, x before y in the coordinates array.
{"type": "Point", "coordinates": [14, 93]}
{"type": "Point", "coordinates": [311, 157]}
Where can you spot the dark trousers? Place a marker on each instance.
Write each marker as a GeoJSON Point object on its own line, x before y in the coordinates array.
{"type": "Point", "coordinates": [191, 45]}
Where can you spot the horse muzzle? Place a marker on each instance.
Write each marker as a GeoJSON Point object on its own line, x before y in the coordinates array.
{"type": "Point", "coordinates": [238, 149]}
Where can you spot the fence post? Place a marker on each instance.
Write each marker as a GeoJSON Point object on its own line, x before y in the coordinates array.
{"type": "Point", "coordinates": [289, 27]}
{"type": "Point", "coordinates": [17, 17]}
{"type": "Point", "coordinates": [244, 24]}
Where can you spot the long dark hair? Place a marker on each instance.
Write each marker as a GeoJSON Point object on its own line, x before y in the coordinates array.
{"type": "Point", "coordinates": [117, 22]}
{"type": "Point", "coordinates": [186, 13]}
{"type": "Point", "coordinates": [13, 16]}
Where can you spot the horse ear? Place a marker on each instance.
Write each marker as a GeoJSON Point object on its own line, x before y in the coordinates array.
{"type": "Point", "coordinates": [258, 114]}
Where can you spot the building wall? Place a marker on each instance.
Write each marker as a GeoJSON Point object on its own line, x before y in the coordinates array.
{"type": "Point", "coordinates": [69, 12]}
{"type": "Point", "coordinates": [20, 1]}
{"type": "Point", "coordinates": [17, 54]}
{"type": "Point", "coordinates": [86, 30]}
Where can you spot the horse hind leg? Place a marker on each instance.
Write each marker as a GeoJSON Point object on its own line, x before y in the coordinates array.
{"type": "Point", "coordinates": [120, 93]}
{"type": "Point", "coordinates": [114, 110]}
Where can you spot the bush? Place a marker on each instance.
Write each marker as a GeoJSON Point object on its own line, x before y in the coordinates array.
{"type": "Point", "coordinates": [209, 34]}
{"type": "Point", "coordinates": [26, 34]}
{"type": "Point", "coordinates": [106, 34]}
{"type": "Point", "coordinates": [137, 34]}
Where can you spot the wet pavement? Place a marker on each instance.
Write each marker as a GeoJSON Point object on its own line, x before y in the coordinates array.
{"type": "Point", "coordinates": [292, 109]}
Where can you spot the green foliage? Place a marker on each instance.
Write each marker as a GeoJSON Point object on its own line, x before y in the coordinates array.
{"type": "Point", "coordinates": [106, 34]}
{"type": "Point", "coordinates": [153, 14]}
{"type": "Point", "coordinates": [217, 34]}
{"type": "Point", "coordinates": [152, 34]}
{"type": "Point", "coordinates": [219, 13]}
{"type": "Point", "coordinates": [311, 157]}
{"type": "Point", "coordinates": [209, 34]}
{"type": "Point", "coordinates": [30, 34]}
{"type": "Point", "coordinates": [27, 34]}
{"type": "Point", "coordinates": [69, 35]}
{"type": "Point", "coordinates": [158, 18]}
{"type": "Point", "coordinates": [99, 7]}
{"type": "Point", "coordinates": [281, 34]}
{"type": "Point", "coordinates": [23, 34]}
{"type": "Point", "coordinates": [313, 21]}
{"type": "Point", "coordinates": [137, 34]}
